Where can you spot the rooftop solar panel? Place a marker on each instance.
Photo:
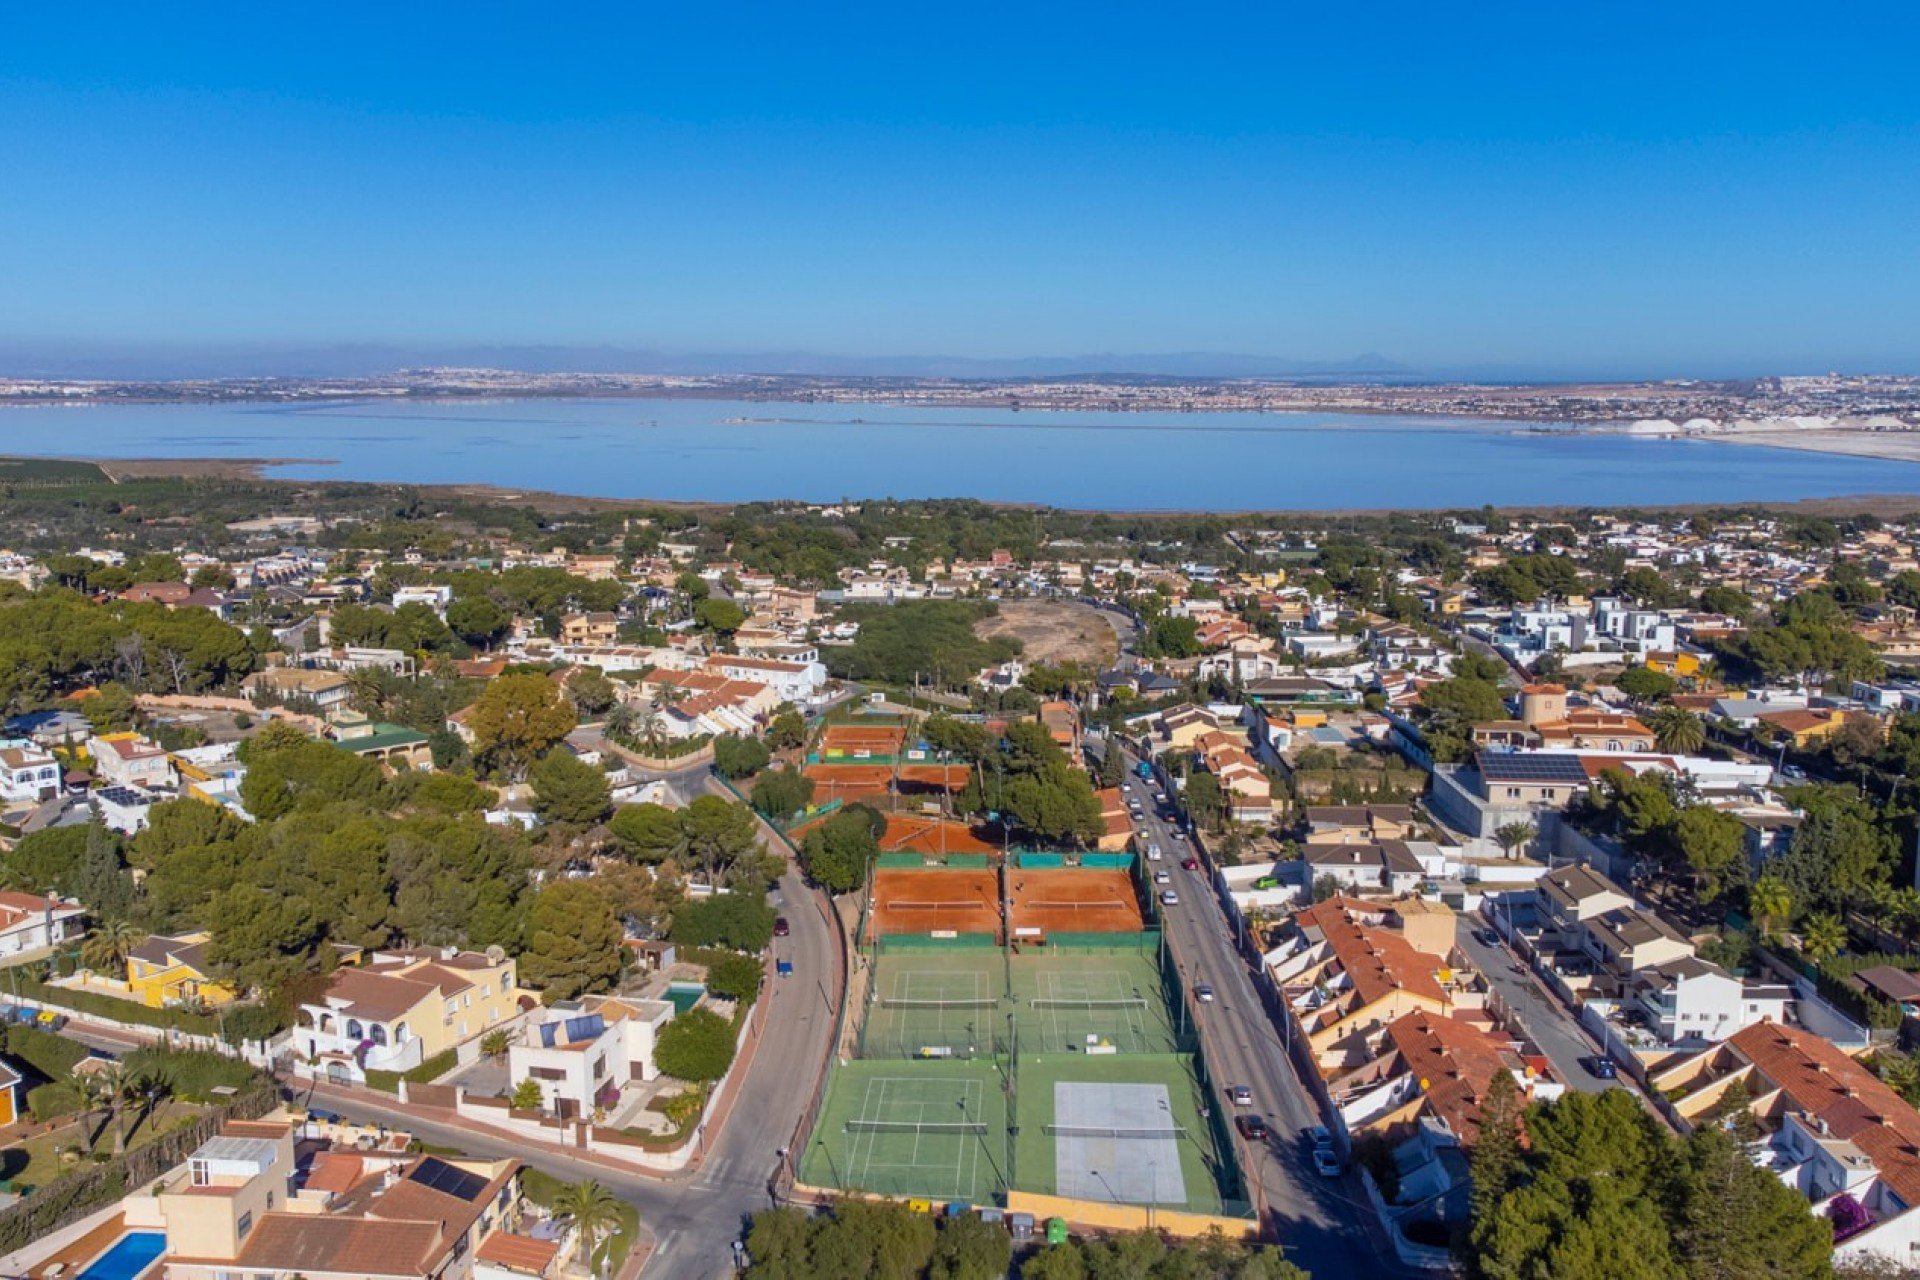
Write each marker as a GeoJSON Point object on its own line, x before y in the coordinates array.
{"type": "Point", "coordinates": [1533, 766]}
{"type": "Point", "coordinates": [443, 1177]}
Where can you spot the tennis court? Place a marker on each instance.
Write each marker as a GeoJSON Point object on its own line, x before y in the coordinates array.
{"type": "Point", "coordinates": [1075, 900]}
{"type": "Point", "coordinates": [1145, 1141]}
{"type": "Point", "coordinates": [1101, 1001]}
{"type": "Point", "coordinates": [935, 1129]}
{"type": "Point", "coordinates": [929, 900]}
{"type": "Point", "coordinates": [935, 1004]}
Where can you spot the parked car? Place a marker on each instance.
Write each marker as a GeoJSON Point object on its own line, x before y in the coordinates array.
{"type": "Point", "coordinates": [1252, 1128]}
{"type": "Point", "coordinates": [1320, 1138]}
{"type": "Point", "coordinates": [1191, 864]}
{"type": "Point", "coordinates": [1240, 1095]}
{"type": "Point", "coordinates": [1325, 1163]}
{"type": "Point", "coordinates": [1601, 1067]}
{"type": "Point", "coordinates": [1203, 993]}
{"type": "Point", "coordinates": [780, 927]}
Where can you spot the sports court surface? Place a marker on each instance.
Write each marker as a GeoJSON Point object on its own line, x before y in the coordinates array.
{"type": "Point", "coordinates": [933, 1129]}
{"type": "Point", "coordinates": [870, 739]}
{"type": "Point", "coordinates": [921, 833]}
{"type": "Point", "coordinates": [1075, 900]}
{"type": "Point", "coordinates": [924, 900]}
{"type": "Point", "coordinates": [936, 1004]}
{"type": "Point", "coordinates": [1135, 1135]}
{"type": "Point", "coordinates": [1073, 1001]}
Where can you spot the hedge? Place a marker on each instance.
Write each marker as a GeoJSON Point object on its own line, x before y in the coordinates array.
{"type": "Point", "coordinates": [51, 1101]}
{"type": "Point", "coordinates": [426, 1073]}
{"type": "Point", "coordinates": [52, 1056]}
{"type": "Point", "coordinates": [33, 991]}
{"type": "Point", "coordinates": [191, 1074]}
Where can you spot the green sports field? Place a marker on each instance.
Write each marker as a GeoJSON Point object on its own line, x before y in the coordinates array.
{"type": "Point", "coordinates": [1069, 1001]}
{"type": "Point", "coordinates": [945, 1134]}
{"type": "Point", "coordinates": [936, 1004]}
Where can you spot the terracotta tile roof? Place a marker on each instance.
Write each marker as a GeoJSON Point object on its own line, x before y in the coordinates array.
{"type": "Point", "coordinates": [1826, 1083]}
{"type": "Point", "coordinates": [289, 1243]}
{"type": "Point", "coordinates": [1379, 961]}
{"type": "Point", "coordinates": [1455, 1063]}
{"type": "Point", "coordinates": [518, 1253]}
{"type": "Point", "coordinates": [335, 1171]}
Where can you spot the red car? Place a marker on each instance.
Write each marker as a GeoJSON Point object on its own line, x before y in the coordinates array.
{"type": "Point", "coordinates": [780, 927]}
{"type": "Point", "coordinates": [1252, 1128]}
{"type": "Point", "coordinates": [1191, 864]}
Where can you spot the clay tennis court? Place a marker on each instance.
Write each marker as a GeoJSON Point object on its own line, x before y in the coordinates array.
{"type": "Point", "coordinates": [1078, 900]}
{"type": "Point", "coordinates": [850, 782]}
{"type": "Point", "coordinates": [919, 833]}
{"type": "Point", "coordinates": [878, 739]}
{"type": "Point", "coordinates": [935, 900]}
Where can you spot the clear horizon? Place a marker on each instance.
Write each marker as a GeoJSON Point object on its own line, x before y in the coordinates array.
{"type": "Point", "coordinates": [1503, 192]}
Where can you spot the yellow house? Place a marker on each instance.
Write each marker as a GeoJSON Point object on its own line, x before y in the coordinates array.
{"type": "Point", "coordinates": [10, 1082]}
{"type": "Point", "coordinates": [402, 1009]}
{"type": "Point", "coordinates": [163, 971]}
{"type": "Point", "coordinates": [1673, 663]}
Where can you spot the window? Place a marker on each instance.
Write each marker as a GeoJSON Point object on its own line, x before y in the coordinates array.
{"type": "Point", "coordinates": [546, 1073]}
{"type": "Point", "coordinates": [245, 1224]}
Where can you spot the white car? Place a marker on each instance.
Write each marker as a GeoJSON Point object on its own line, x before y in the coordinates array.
{"type": "Point", "coordinates": [1161, 877]}
{"type": "Point", "coordinates": [1153, 853]}
{"type": "Point", "coordinates": [1168, 898]}
{"type": "Point", "coordinates": [1240, 1095]}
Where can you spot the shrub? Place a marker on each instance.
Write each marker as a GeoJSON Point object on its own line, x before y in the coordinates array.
{"type": "Point", "coordinates": [192, 1074]}
{"type": "Point", "coordinates": [426, 1073]}
{"type": "Point", "coordinates": [51, 1101]}
{"type": "Point", "coordinates": [696, 1047]}
{"type": "Point", "coordinates": [52, 1057]}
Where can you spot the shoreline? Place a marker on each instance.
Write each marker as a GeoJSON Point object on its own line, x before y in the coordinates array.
{"type": "Point", "coordinates": [1886, 446]}
{"type": "Point", "coordinates": [119, 470]}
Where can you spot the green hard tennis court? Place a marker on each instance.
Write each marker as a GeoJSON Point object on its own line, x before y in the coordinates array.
{"type": "Point", "coordinates": [1206, 1174]}
{"type": "Point", "coordinates": [932, 1129]}
{"type": "Point", "coordinates": [936, 1004]}
{"type": "Point", "coordinates": [1104, 1001]}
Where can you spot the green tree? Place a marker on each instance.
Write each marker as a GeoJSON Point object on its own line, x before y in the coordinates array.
{"type": "Point", "coordinates": [1822, 935]}
{"type": "Point", "coordinates": [527, 1096]}
{"type": "Point", "coordinates": [1205, 802]}
{"type": "Point", "coordinates": [695, 1046]}
{"type": "Point", "coordinates": [478, 621]}
{"type": "Point", "coordinates": [1678, 730]}
{"type": "Point", "coordinates": [651, 833]}
{"type": "Point", "coordinates": [970, 1248]}
{"type": "Point", "coordinates": [261, 939]}
{"type": "Point", "coordinates": [1770, 903]}
{"type": "Point", "coordinates": [594, 1213]}
{"type": "Point", "coordinates": [737, 757]}
{"type": "Point", "coordinates": [1737, 1221]}
{"type": "Point", "coordinates": [1644, 684]}
{"type": "Point", "coordinates": [742, 921]}
{"type": "Point", "coordinates": [1514, 836]}
{"type": "Point", "coordinates": [721, 616]}
{"type": "Point", "coordinates": [787, 731]}
{"type": "Point", "coordinates": [567, 789]}
{"type": "Point", "coordinates": [590, 691]}
{"type": "Point", "coordinates": [1711, 843]}
{"type": "Point", "coordinates": [720, 835]}
{"type": "Point", "coordinates": [733, 975]}
{"type": "Point", "coordinates": [837, 853]}
{"type": "Point", "coordinates": [574, 945]}
{"type": "Point", "coordinates": [782, 792]}
{"type": "Point", "coordinates": [517, 719]}
{"type": "Point", "coordinates": [1494, 1160]}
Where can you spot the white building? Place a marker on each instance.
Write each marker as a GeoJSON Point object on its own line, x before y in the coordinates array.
{"type": "Point", "coordinates": [29, 921]}
{"type": "Point", "coordinates": [583, 1052]}
{"type": "Point", "coordinates": [27, 773]}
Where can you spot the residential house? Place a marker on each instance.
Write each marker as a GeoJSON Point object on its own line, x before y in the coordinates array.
{"type": "Point", "coordinates": [402, 1009]}
{"type": "Point", "coordinates": [165, 971]}
{"type": "Point", "coordinates": [1358, 823]}
{"type": "Point", "coordinates": [129, 760]}
{"type": "Point", "coordinates": [1345, 975]}
{"type": "Point", "coordinates": [27, 773]}
{"type": "Point", "coordinates": [583, 1052]}
{"type": "Point", "coordinates": [324, 689]}
{"type": "Point", "coordinates": [1388, 867]}
{"type": "Point", "coordinates": [589, 629]}
{"type": "Point", "coordinates": [31, 921]}
{"type": "Point", "coordinates": [1834, 1131]}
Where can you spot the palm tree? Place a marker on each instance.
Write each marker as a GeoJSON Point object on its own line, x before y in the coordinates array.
{"type": "Point", "coordinates": [1821, 936]}
{"type": "Point", "coordinates": [1770, 902]}
{"type": "Point", "coordinates": [142, 1087]}
{"type": "Point", "coordinates": [1515, 836]}
{"type": "Point", "coordinates": [1677, 730]}
{"type": "Point", "coordinates": [108, 946]}
{"type": "Point", "coordinates": [101, 1089]}
{"type": "Point", "coordinates": [619, 722]}
{"type": "Point", "coordinates": [496, 1043]}
{"type": "Point", "coordinates": [591, 1208]}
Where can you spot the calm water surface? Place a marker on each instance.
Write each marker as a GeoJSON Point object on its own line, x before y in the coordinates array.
{"type": "Point", "coordinates": [735, 451]}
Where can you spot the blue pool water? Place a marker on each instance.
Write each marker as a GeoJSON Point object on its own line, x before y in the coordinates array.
{"type": "Point", "coordinates": [684, 996]}
{"type": "Point", "coordinates": [131, 1254]}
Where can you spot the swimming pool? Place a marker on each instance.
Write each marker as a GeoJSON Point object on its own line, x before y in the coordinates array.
{"type": "Point", "coordinates": [132, 1254]}
{"type": "Point", "coordinates": [684, 995]}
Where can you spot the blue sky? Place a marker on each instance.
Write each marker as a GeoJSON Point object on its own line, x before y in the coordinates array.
{"type": "Point", "coordinates": [1574, 188]}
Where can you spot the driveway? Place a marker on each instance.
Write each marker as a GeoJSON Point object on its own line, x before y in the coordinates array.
{"type": "Point", "coordinates": [1546, 1021]}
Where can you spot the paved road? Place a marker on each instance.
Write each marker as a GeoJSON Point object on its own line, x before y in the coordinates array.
{"type": "Point", "coordinates": [1551, 1025]}
{"type": "Point", "coordinates": [1321, 1222]}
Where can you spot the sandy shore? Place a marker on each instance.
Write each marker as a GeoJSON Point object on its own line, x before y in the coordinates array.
{"type": "Point", "coordinates": [1894, 446]}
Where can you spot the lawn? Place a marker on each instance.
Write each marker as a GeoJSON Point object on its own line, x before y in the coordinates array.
{"type": "Point", "coordinates": [38, 1161]}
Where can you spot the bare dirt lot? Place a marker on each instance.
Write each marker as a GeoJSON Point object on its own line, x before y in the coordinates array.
{"type": "Point", "coordinates": [1055, 631]}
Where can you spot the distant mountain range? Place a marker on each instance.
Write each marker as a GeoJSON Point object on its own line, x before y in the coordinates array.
{"type": "Point", "coordinates": [162, 362]}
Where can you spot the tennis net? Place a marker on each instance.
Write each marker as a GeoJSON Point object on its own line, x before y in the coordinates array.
{"type": "Point", "coordinates": [1098, 1131]}
{"type": "Point", "coordinates": [936, 1128]}
{"type": "Point", "coordinates": [915, 1002]}
{"type": "Point", "coordinates": [1056, 1002]}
